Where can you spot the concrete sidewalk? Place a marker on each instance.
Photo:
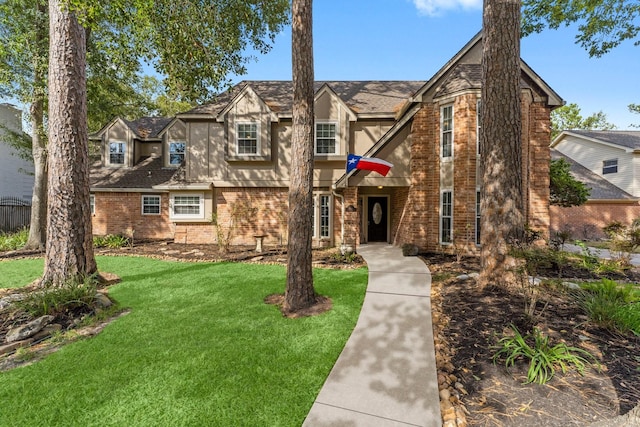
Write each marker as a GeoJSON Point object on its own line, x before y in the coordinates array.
{"type": "Point", "coordinates": [386, 374]}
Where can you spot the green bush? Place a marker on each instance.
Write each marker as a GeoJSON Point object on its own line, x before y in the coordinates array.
{"type": "Point", "coordinates": [13, 241]}
{"type": "Point", "coordinates": [111, 241]}
{"type": "Point", "coordinates": [543, 358]}
{"type": "Point", "coordinates": [55, 300]}
{"type": "Point", "coordinates": [611, 305]}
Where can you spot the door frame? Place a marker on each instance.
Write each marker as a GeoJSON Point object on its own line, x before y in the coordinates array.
{"type": "Point", "coordinates": [365, 216]}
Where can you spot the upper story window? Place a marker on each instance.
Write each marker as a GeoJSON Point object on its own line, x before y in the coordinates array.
{"type": "Point", "coordinates": [116, 152]}
{"type": "Point", "coordinates": [326, 141]}
{"type": "Point", "coordinates": [446, 131]}
{"type": "Point", "coordinates": [150, 205]}
{"type": "Point", "coordinates": [610, 166]}
{"type": "Point", "coordinates": [187, 206]}
{"type": "Point", "coordinates": [247, 136]}
{"type": "Point", "coordinates": [176, 153]}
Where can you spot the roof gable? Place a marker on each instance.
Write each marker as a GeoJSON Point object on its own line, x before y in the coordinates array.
{"type": "Point", "coordinates": [464, 71]}
{"type": "Point", "coordinates": [248, 92]}
{"type": "Point", "coordinates": [627, 140]}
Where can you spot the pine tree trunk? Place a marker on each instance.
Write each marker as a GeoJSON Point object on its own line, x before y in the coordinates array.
{"type": "Point", "coordinates": [300, 293]}
{"type": "Point", "coordinates": [501, 200]}
{"type": "Point", "coordinates": [69, 248]}
{"type": "Point", "coordinates": [37, 225]}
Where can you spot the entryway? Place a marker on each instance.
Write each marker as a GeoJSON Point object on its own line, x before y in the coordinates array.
{"type": "Point", "coordinates": [377, 218]}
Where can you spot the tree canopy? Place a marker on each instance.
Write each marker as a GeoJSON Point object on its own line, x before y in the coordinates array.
{"type": "Point", "coordinates": [566, 191]}
{"type": "Point", "coordinates": [570, 117]}
{"type": "Point", "coordinates": [602, 24]}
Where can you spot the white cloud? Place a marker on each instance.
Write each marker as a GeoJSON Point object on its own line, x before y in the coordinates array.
{"type": "Point", "coordinates": [437, 7]}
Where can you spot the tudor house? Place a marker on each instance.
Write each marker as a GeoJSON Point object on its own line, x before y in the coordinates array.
{"type": "Point", "coordinates": [230, 159]}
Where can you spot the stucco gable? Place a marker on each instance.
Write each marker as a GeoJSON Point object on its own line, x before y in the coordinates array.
{"type": "Point", "coordinates": [464, 71]}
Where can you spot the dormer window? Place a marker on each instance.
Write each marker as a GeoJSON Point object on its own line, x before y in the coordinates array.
{"type": "Point", "coordinates": [176, 153]}
{"type": "Point", "coordinates": [326, 141]}
{"type": "Point", "coordinates": [116, 152]}
{"type": "Point", "coordinates": [610, 166]}
{"type": "Point", "coordinates": [248, 139]}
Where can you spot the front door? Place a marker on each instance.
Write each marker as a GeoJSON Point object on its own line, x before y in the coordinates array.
{"type": "Point", "coordinates": [377, 219]}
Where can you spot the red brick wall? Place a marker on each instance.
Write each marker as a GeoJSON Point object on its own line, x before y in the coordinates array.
{"type": "Point", "coordinates": [586, 221]}
{"type": "Point", "coordinates": [538, 157]}
{"type": "Point", "coordinates": [119, 213]}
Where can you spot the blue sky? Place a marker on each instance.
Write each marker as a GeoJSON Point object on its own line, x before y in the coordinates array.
{"type": "Point", "coordinates": [412, 39]}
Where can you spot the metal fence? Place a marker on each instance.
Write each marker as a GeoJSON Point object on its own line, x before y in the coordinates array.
{"type": "Point", "coordinates": [14, 214]}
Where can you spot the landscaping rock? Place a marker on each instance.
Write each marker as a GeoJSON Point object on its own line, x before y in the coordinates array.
{"type": "Point", "coordinates": [571, 285]}
{"type": "Point", "coordinates": [6, 301]}
{"type": "Point", "coordinates": [630, 419]}
{"type": "Point", "coordinates": [103, 301]}
{"type": "Point", "coordinates": [256, 259]}
{"type": "Point", "coordinates": [9, 348]}
{"type": "Point", "coordinates": [28, 330]}
{"type": "Point", "coordinates": [47, 331]}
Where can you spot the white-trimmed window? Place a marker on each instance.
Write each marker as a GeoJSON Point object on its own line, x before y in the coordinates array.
{"type": "Point", "coordinates": [321, 216]}
{"type": "Point", "coordinates": [446, 217]}
{"type": "Point", "coordinates": [92, 204]}
{"type": "Point", "coordinates": [176, 153]}
{"type": "Point", "coordinates": [446, 132]}
{"type": "Point", "coordinates": [610, 166]}
{"type": "Point", "coordinates": [117, 150]}
{"type": "Point", "coordinates": [247, 138]}
{"type": "Point", "coordinates": [150, 205]}
{"type": "Point", "coordinates": [326, 140]}
{"type": "Point", "coordinates": [478, 224]}
{"type": "Point", "coordinates": [478, 124]}
{"type": "Point", "coordinates": [187, 206]}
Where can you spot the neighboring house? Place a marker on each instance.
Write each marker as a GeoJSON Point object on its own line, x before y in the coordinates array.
{"type": "Point", "coordinates": [169, 177]}
{"type": "Point", "coordinates": [606, 203]}
{"type": "Point", "coordinates": [16, 174]}
{"type": "Point", "coordinates": [612, 154]}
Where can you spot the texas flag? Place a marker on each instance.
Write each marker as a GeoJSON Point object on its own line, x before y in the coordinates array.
{"type": "Point", "coordinates": [368, 164]}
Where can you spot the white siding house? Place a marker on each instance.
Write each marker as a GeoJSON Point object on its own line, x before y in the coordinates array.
{"type": "Point", "coordinates": [16, 174]}
{"type": "Point", "coordinates": [613, 155]}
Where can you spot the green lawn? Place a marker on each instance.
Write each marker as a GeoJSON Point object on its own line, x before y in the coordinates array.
{"type": "Point", "coordinates": [199, 348]}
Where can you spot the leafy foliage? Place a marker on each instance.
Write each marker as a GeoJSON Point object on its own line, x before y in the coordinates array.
{"type": "Point", "coordinates": [569, 117]}
{"type": "Point", "coordinates": [543, 358]}
{"type": "Point", "coordinates": [53, 300]}
{"type": "Point", "coordinates": [603, 24]}
{"type": "Point", "coordinates": [111, 241]}
{"type": "Point", "coordinates": [612, 305]}
{"type": "Point", "coordinates": [13, 241]}
{"type": "Point", "coordinates": [565, 189]}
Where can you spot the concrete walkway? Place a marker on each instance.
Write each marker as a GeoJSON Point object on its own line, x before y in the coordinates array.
{"type": "Point", "coordinates": [386, 374]}
{"type": "Point", "coordinates": [602, 253]}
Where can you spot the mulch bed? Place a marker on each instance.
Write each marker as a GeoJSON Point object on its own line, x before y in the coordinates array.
{"type": "Point", "coordinates": [469, 321]}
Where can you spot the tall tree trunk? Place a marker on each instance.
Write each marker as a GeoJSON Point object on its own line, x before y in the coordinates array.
{"type": "Point", "coordinates": [69, 245]}
{"type": "Point", "coordinates": [300, 293]}
{"type": "Point", "coordinates": [37, 225]}
{"type": "Point", "coordinates": [501, 200]}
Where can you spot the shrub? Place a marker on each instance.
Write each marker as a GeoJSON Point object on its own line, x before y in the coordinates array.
{"type": "Point", "coordinates": [111, 241]}
{"type": "Point", "coordinates": [55, 300]}
{"type": "Point", "coordinates": [543, 358]}
{"type": "Point", "coordinates": [13, 241]}
{"type": "Point", "coordinates": [611, 305]}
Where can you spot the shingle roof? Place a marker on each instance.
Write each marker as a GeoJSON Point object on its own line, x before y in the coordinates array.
{"type": "Point", "coordinates": [148, 127]}
{"type": "Point", "coordinates": [466, 76]}
{"type": "Point", "coordinates": [360, 96]}
{"type": "Point", "coordinates": [623, 138]}
{"type": "Point", "coordinates": [145, 174]}
{"type": "Point", "coordinates": [601, 189]}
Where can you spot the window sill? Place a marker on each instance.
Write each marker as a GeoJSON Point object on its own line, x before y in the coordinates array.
{"type": "Point", "coordinates": [247, 158]}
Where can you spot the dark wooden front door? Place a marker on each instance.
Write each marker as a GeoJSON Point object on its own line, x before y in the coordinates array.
{"type": "Point", "coordinates": [377, 219]}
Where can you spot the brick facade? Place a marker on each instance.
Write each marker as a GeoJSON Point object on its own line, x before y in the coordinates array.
{"type": "Point", "coordinates": [419, 222]}
{"type": "Point", "coordinates": [586, 221]}
{"type": "Point", "coordinates": [121, 213]}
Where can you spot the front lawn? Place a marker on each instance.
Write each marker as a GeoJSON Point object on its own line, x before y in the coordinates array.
{"type": "Point", "coordinates": [199, 347]}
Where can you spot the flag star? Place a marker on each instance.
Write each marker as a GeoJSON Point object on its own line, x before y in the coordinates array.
{"type": "Point", "coordinates": [353, 161]}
